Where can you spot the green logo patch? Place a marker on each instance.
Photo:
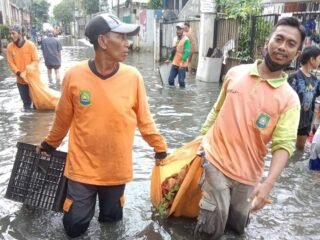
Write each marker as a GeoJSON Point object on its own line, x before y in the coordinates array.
{"type": "Point", "coordinates": [85, 97]}
{"type": "Point", "coordinates": [263, 120]}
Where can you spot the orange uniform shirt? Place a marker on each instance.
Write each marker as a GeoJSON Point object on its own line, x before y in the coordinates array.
{"type": "Point", "coordinates": [102, 115]}
{"type": "Point", "coordinates": [20, 57]}
{"type": "Point", "coordinates": [182, 52]}
{"type": "Point", "coordinates": [251, 112]}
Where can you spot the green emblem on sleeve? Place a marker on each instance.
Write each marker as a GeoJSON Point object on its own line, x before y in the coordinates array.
{"type": "Point", "coordinates": [85, 97]}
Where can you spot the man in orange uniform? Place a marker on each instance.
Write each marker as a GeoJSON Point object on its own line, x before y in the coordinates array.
{"type": "Point", "coordinates": [21, 53]}
{"type": "Point", "coordinates": [256, 105]}
{"type": "Point", "coordinates": [103, 101]}
{"type": "Point", "coordinates": [179, 57]}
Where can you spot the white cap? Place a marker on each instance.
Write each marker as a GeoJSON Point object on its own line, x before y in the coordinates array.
{"type": "Point", "coordinates": [180, 25]}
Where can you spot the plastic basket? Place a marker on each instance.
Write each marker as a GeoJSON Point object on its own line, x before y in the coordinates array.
{"type": "Point", "coordinates": [37, 180]}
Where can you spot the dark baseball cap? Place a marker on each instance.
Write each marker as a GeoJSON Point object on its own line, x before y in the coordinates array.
{"type": "Point", "coordinates": [107, 22]}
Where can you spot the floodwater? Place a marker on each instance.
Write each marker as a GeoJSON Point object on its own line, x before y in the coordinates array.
{"type": "Point", "coordinates": [294, 213]}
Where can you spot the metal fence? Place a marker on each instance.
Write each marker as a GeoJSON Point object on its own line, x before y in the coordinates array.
{"type": "Point", "coordinates": [242, 40]}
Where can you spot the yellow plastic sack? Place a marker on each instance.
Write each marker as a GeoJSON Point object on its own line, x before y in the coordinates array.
{"type": "Point", "coordinates": [42, 96]}
{"type": "Point", "coordinates": [174, 184]}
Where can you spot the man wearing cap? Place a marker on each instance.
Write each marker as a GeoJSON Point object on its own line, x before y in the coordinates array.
{"type": "Point", "coordinates": [103, 101]}
{"type": "Point", "coordinates": [20, 54]}
{"type": "Point", "coordinates": [179, 57]}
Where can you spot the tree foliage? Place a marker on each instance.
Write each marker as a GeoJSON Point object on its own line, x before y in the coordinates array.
{"type": "Point", "coordinates": [64, 11]}
{"type": "Point", "coordinates": [240, 8]}
{"type": "Point", "coordinates": [242, 11]}
{"type": "Point", "coordinates": [154, 4]}
{"type": "Point", "coordinates": [40, 12]}
{"type": "Point", "coordinates": [90, 6]}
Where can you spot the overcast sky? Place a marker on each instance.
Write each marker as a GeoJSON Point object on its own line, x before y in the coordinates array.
{"type": "Point", "coordinates": [52, 4]}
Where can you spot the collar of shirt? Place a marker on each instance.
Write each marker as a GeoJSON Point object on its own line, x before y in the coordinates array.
{"type": "Point", "coordinates": [275, 82]}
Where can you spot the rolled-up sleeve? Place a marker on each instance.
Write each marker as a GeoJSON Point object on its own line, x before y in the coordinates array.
{"type": "Point", "coordinates": [285, 133]}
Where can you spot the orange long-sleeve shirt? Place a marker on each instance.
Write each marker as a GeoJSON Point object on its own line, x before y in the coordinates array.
{"type": "Point", "coordinates": [20, 57]}
{"type": "Point", "coordinates": [102, 115]}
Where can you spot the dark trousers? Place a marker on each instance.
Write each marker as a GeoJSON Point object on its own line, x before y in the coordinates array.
{"type": "Point", "coordinates": [181, 72]}
{"type": "Point", "coordinates": [83, 196]}
{"type": "Point", "coordinates": [25, 96]}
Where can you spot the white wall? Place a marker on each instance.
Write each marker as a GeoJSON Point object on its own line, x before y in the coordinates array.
{"type": "Point", "coordinates": [6, 12]}
{"type": "Point", "coordinates": [147, 28]}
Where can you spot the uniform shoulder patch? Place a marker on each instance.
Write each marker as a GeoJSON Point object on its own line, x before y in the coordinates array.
{"type": "Point", "coordinates": [85, 97]}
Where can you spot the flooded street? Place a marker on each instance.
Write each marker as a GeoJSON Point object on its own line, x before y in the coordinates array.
{"type": "Point", "coordinates": [179, 114]}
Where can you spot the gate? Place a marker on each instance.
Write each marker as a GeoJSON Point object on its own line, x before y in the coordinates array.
{"type": "Point", "coordinates": [242, 40]}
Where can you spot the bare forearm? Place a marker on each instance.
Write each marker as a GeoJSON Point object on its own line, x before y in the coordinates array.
{"type": "Point", "coordinates": [262, 191]}
{"type": "Point", "coordinates": [278, 163]}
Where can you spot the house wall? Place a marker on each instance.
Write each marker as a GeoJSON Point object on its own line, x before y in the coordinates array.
{"type": "Point", "coordinates": [147, 18]}
{"type": "Point", "coordinates": [4, 8]}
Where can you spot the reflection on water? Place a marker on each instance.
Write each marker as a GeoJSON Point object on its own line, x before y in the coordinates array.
{"type": "Point", "coordinates": [179, 115]}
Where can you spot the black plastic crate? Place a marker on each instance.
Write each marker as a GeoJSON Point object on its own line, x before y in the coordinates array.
{"type": "Point", "coordinates": [37, 180]}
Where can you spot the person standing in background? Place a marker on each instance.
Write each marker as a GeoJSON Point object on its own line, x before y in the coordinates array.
{"type": "Point", "coordinates": [314, 159]}
{"type": "Point", "coordinates": [190, 34]}
{"type": "Point", "coordinates": [308, 88]}
{"type": "Point", "coordinates": [179, 57]}
{"type": "Point", "coordinates": [51, 49]}
{"type": "Point", "coordinates": [21, 53]}
{"type": "Point", "coordinates": [34, 34]}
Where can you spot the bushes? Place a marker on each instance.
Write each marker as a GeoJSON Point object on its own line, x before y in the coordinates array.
{"type": "Point", "coordinates": [4, 32]}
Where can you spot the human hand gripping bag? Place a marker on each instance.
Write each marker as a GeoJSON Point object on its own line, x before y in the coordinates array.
{"type": "Point", "coordinates": [175, 189]}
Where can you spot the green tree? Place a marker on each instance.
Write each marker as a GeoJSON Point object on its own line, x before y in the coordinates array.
{"type": "Point", "coordinates": [40, 12]}
{"type": "Point", "coordinates": [154, 4]}
{"type": "Point", "coordinates": [242, 11]}
{"type": "Point", "coordinates": [64, 12]}
{"type": "Point", "coordinates": [239, 8]}
{"type": "Point", "coordinates": [90, 6]}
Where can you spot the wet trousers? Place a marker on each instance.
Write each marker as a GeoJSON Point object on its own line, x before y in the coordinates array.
{"type": "Point", "coordinates": [25, 96]}
{"type": "Point", "coordinates": [181, 72]}
{"type": "Point", "coordinates": [79, 206]}
{"type": "Point", "coordinates": [223, 205]}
